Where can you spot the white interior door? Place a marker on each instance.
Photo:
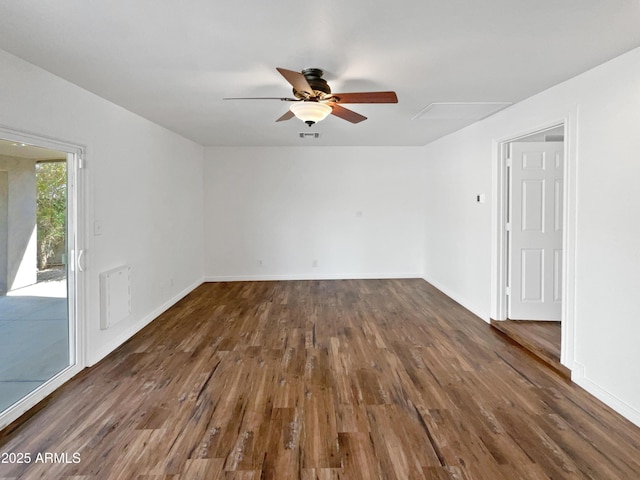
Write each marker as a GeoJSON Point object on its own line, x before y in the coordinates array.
{"type": "Point", "coordinates": [535, 230]}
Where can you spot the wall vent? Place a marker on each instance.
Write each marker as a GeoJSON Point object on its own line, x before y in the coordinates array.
{"type": "Point", "coordinates": [309, 134]}
{"type": "Point", "coordinates": [115, 296]}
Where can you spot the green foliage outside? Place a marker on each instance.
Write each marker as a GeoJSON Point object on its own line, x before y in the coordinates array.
{"type": "Point", "coordinates": [51, 201]}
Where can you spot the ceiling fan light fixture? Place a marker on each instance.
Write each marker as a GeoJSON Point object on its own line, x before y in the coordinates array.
{"type": "Point", "coordinates": [310, 112]}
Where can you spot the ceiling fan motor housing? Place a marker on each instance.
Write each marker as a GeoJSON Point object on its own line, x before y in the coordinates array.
{"type": "Point", "coordinates": [319, 85]}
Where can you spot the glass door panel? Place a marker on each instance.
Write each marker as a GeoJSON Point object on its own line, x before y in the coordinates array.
{"type": "Point", "coordinates": [35, 322]}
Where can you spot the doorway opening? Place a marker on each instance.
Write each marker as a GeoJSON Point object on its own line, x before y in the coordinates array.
{"type": "Point", "coordinates": [39, 280]}
{"type": "Point", "coordinates": [532, 225]}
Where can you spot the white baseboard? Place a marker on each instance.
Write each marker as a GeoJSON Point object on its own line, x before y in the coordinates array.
{"type": "Point", "coordinates": [578, 376]}
{"type": "Point", "coordinates": [307, 276]}
{"type": "Point", "coordinates": [479, 312]}
{"type": "Point", "coordinates": [95, 357]}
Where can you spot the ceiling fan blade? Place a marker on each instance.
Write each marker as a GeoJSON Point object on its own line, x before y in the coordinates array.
{"type": "Point", "coordinates": [346, 114]}
{"type": "Point", "coordinates": [286, 116]}
{"type": "Point", "coordinates": [366, 97]}
{"type": "Point", "coordinates": [283, 99]}
{"type": "Point", "coordinates": [297, 80]}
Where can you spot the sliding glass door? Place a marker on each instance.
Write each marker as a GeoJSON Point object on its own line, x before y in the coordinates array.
{"type": "Point", "coordinates": [37, 283]}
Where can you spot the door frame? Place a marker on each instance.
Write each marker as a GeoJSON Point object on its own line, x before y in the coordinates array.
{"type": "Point", "coordinates": [76, 241]}
{"type": "Point", "coordinates": [499, 262]}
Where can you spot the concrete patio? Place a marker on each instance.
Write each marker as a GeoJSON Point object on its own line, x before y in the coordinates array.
{"type": "Point", "coordinates": [34, 338]}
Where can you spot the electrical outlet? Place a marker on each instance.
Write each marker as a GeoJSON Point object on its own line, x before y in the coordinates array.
{"type": "Point", "coordinates": [315, 264]}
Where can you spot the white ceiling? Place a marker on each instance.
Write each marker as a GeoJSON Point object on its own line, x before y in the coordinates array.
{"type": "Point", "coordinates": [173, 62]}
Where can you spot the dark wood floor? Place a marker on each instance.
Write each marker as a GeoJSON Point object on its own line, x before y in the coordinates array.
{"type": "Point", "coordinates": [541, 339]}
{"type": "Point", "coordinates": [318, 380]}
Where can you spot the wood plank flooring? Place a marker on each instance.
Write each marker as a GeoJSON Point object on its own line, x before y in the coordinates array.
{"type": "Point", "coordinates": [321, 380]}
{"type": "Point", "coordinates": [541, 339]}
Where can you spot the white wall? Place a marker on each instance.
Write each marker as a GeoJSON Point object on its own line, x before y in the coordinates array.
{"type": "Point", "coordinates": [356, 210]}
{"type": "Point", "coordinates": [603, 107]}
{"type": "Point", "coordinates": [144, 186]}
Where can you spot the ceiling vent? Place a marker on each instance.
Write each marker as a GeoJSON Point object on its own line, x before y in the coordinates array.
{"type": "Point", "coordinates": [309, 134]}
{"type": "Point", "coordinates": [472, 111]}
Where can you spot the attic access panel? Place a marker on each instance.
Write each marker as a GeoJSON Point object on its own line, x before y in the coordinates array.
{"type": "Point", "coordinates": [470, 111]}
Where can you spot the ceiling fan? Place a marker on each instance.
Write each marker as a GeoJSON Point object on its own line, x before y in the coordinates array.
{"type": "Point", "coordinates": [314, 101]}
